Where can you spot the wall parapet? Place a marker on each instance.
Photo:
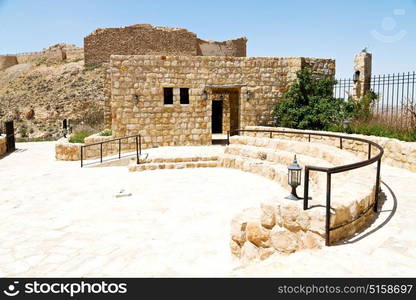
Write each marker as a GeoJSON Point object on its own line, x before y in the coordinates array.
{"type": "Point", "coordinates": [3, 145]}
{"type": "Point", "coordinates": [64, 150]}
{"type": "Point", "coordinates": [396, 153]}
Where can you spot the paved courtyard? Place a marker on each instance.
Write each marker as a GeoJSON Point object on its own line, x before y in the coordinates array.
{"type": "Point", "coordinates": [57, 219]}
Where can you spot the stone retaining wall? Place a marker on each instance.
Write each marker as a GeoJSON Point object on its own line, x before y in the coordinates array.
{"type": "Point", "coordinates": [53, 55]}
{"type": "Point", "coordinates": [3, 145]}
{"type": "Point", "coordinates": [64, 150]}
{"type": "Point", "coordinates": [281, 225]}
{"type": "Point", "coordinates": [7, 61]}
{"type": "Point", "coordinates": [396, 153]}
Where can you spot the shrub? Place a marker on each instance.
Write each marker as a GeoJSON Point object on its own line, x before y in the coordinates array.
{"type": "Point", "coordinates": [79, 137]}
{"type": "Point", "coordinates": [309, 104]}
{"type": "Point", "coordinates": [23, 131]}
{"type": "Point", "coordinates": [106, 132]}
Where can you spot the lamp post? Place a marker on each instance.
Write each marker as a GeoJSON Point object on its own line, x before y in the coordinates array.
{"type": "Point", "coordinates": [294, 179]}
{"type": "Point", "coordinates": [346, 126]}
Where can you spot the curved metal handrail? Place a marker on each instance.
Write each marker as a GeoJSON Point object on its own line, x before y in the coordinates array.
{"type": "Point", "coordinates": [329, 171]}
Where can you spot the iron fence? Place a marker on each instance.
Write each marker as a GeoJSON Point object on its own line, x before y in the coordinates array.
{"type": "Point", "coordinates": [396, 96]}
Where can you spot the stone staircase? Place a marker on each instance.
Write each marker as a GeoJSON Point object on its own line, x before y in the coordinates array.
{"type": "Point", "coordinates": [156, 163]}
{"type": "Point", "coordinates": [282, 225]}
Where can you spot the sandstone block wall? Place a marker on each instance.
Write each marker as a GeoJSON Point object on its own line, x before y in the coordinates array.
{"type": "Point", "coordinates": [3, 146]}
{"type": "Point", "coordinates": [55, 55]}
{"type": "Point", "coordinates": [7, 61]}
{"type": "Point", "coordinates": [236, 47]}
{"type": "Point", "coordinates": [74, 53]}
{"type": "Point", "coordinates": [145, 39]}
{"type": "Point", "coordinates": [165, 125]}
{"type": "Point", "coordinates": [67, 151]}
{"type": "Point", "coordinates": [396, 153]}
{"type": "Point", "coordinates": [137, 40]}
{"type": "Point", "coordinates": [362, 67]}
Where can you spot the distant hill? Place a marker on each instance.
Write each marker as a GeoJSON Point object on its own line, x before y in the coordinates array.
{"type": "Point", "coordinates": [38, 96]}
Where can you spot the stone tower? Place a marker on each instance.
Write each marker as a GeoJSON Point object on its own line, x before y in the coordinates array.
{"type": "Point", "coordinates": [362, 73]}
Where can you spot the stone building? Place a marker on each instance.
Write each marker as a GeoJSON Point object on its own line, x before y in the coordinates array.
{"type": "Point", "coordinates": [185, 100]}
{"type": "Point", "coordinates": [145, 39]}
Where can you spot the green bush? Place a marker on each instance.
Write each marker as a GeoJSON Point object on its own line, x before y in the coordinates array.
{"type": "Point", "coordinates": [79, 137]}
{"type": "Point", "coordinates": [309, 104]}
{"type": "Point", "coordinates": [106, 132]}
{"type": "Point", "coordinates": [382, 129]}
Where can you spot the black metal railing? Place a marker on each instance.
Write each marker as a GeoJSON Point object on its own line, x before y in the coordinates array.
{"type": "Point", "coordinates": [329, 171]}
{"type": "Point", "coordinates": [396, 95]}
{"type": "Point", "coordinates": [138, 147]}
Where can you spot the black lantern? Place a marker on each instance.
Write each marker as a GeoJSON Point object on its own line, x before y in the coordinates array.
{"type": "Point", "coordinates": [136, 99]}
{"type": "Point", "coordinates": [294, 178]}
{"type": "Point", "coordinates": [248, 95]}
{"type": "Point", "coordinates": [356, 76]}
{"type": "Point", "coordinates": [204, 95]}
{"type": "Point", "coordinates": [346, 126]}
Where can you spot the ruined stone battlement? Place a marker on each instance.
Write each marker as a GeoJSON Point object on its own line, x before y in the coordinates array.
{"type": "Point", "coordinates": [146, 39]}
{"type": "Point", "coordinates": [7, 61]}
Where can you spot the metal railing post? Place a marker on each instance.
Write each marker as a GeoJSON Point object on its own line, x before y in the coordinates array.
{"type": "Point", "coordinates": [369, 151]}
{"type": "Point", "coordinates": [140, 144]}
{"type": "Point", "coordinates": [82, 147]}
{"type": "Point", "coordinates": [137, 150]}
{"type": "Point", "coordinates": [340, 143]}
{"type": "Point", "coordinates": [101, 152]}
{"type": "Point", "coordinates": [377, 186]}
{"type": "Point", "coordinates": [119, 148]}
{"type": "Point", "coordinates": [306, 189]}
{"type": "Point", "coordinates": [228, 137]}
{"type": "Point", "coordinates": [328, 209]}
{"type": "Point", "coordinates": [271, 134]}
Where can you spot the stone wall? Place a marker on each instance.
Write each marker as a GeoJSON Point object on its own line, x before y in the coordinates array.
{"type": "Point", "coordinates": [3, 145]}
{"type": "Point", "coordinates": [51, 56]}
{"type": "Point", "coordinates": [169, 125]}
{"type": "Point", "coordinates": [236, 48]}
{"type": "Point", "coordinates": [396, 153]}
{"type": "Point", "coordinates": [7, 61]}
{"type": "Point", "coordinates": [74, 54]}
{"type": "Point", "coordinates": [137, 40]}
{"type": "Point", "coordinates": [64, 150]}
{"type": "Point", "coordinates": [145, 39]}
{"type": "Point", "coordinates": [318, 66]}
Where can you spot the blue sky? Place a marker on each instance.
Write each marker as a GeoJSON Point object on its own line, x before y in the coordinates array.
{"type": "Point", "coordinates": [315, 28]}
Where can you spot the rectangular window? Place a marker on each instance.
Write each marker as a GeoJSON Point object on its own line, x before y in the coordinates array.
{"type": "Point", "coordinates": [184, 93]}
{"type": "Point", "coordinates": [167, 96]}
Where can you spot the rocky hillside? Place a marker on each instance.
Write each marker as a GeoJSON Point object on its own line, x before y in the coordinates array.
{"type": "Point", "coordinates": [38, 97]}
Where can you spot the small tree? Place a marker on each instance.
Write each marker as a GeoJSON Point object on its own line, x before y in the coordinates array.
{"type": "Point", "coordinates": [309, 104]}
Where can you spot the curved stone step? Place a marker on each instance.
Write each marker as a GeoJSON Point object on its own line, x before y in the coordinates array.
{"type": "Point", "coordinates": [270, 170]}
{"type": "Point", "coordinates": [173, 165]}
{"type": "Point", "coordinates": [331, 154]}
{"type": "Point", "coordinates": [179, 159]}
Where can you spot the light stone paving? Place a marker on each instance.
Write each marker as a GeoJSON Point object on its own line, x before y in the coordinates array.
{"type": "Point", "coordinates": [57, 219]}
